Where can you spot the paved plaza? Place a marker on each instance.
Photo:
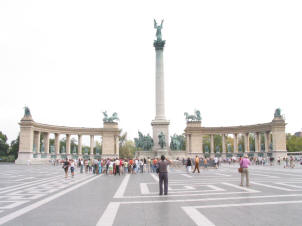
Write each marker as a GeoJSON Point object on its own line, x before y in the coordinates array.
{"type": "Point", "coordinates": [40, 195]}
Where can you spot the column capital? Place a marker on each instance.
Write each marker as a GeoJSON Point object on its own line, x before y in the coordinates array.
{"type": "Point", "coordinates": [159, 44]}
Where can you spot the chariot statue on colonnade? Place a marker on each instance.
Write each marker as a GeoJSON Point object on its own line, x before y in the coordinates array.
{"type": "Point", "coordinates": [193, 118]}
{"type": "Point", "coordinates": [113, 118]}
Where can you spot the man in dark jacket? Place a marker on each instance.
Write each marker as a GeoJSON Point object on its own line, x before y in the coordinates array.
{"type": "Point", "coordinates": [163, 174]}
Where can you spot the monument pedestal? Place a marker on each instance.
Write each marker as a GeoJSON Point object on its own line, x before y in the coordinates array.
{"type": "Point", "coordinates": [159, 126]}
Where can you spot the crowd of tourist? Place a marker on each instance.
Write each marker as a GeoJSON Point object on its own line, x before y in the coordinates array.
{"type": "Point", "coordinates": [109, 166]}
{"type": "Point", "coordinates": [117, 166]}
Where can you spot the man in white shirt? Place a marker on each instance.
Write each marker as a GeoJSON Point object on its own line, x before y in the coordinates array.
{"type": "Point", "coordinates": [117, 167]}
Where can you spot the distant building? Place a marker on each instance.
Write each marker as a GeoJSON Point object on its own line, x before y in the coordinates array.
{"type": "Point", "coordinates": [298, 134]}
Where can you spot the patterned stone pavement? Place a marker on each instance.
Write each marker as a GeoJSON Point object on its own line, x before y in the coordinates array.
{"type": "Point", "coordinates": [40, 195]}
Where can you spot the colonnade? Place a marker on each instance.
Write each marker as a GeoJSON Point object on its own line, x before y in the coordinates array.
{"type": "Point", "coordinates": [30, 141]}
{"type": "Point", "coordinates": [274, 142]}
{"type": "Point", "coordinates": [38, 150]}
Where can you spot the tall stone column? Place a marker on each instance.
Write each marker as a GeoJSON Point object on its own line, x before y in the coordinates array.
{"type": "Point", "coordinates": [188, 143]}
{"type": "Point", "coordinates": [212, 144]}
{"type": "Point", "coordinates": [257, 142]}
{"type": "Point", "coordinates": [247, 142]}
{"type": "Point", "coordinates": [46, 143]}
{"type": "Point", "coordinates": [68, 144]}
{"type": "Point", "coordinates": [79, 144]}
{"type": "Point", "coordinates": [223, 143]}
{"type": "Point", "coordinates": [266, 142]}
{"type": "Point", "coordinates": [57, 143]}
{"type": "Point", "coordinates": [160, 123]}
{"type": "Point", "coordinates": [269, 141]}
{"type": "Point", "coordinates": [235, 143]}
{"type": "Point", "coordinates": [91, 144]}
{"type": "Point", "coordinates": [37, 141]}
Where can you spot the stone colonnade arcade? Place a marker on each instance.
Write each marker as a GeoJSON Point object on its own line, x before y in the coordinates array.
{"type": "Point", "coordinates": [273, 132]}
{"type": "Point", "coordinates": [30, 147]}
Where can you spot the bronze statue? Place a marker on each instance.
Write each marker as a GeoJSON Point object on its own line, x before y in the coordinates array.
{"type": "Point", "coordinates": [113, 118]}
{"type": "Point", "coordinates": [161, 140]}
{"type": "Point", "coordinates": [277, 112]}
{"type": "Point", "coordinates": [27, 112]}
{"type": "Point", "coordinates": [143, 142]}
{"type": "Point", "coordinates": [158, 30]}
{"type": "Point", "coordinates": [193, 118]}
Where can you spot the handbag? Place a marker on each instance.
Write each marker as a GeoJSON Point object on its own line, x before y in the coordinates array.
{"type": "Point", "coordinates": [157, 170]}
{"type": "Point", "coordinates": [240, 170]}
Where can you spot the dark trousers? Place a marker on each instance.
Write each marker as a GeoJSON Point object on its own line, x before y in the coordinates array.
{"type": "Point", "coordinates": [163, 177]}
{"type": "Point", "coordinates": [117, 170]}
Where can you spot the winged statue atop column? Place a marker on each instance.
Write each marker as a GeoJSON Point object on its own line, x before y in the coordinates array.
{"type": "Point", "coordinates": [158, 30]}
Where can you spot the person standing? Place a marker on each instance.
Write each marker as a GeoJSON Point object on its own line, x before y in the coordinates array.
{"type": "Point", "coordinates": [205, 163]}
{"type": "Point", "coordinates": [244, 164]}
{"type": "Point", "coordinates": [189, 165]}
{"type": "Point", "coordinates": [72, 165]}
{"type": "Point", "coordinates": [163, 175]}
{"type": "Point", "coordinates": [196, 164]}
{"type": "Point", "coordinates": [65, 167]}
{"type": "Point", "coordinates": [117, 167]}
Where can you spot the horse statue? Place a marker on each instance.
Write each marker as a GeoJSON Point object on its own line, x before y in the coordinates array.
{"type": "Point", "coordinates": [105, 119]}
{"type": "Point", "coordinates": [113, 118]}
{"type": "Point", "coordinates": [193, 118]}
{"type": "Point", "coordinates": [161, 140]}
{"type": "Point", "coordinates": [27, 112]}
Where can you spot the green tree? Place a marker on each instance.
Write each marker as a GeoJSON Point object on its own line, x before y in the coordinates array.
{"type": "Point", "coordinates": [3, 145]}
{"type": "Point", "coordinates": [126, 147]}
{"type": "Point", "coordinates": [293, 143]}
{"type": "Point", "coordinates": [14, 147]}
{"type": "Point", "coordinates": [127, 150]}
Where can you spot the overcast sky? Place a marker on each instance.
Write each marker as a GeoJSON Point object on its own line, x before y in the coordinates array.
{"type": "Point", "coordinates": [69, 60]}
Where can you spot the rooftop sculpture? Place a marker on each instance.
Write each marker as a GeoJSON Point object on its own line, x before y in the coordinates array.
{"type": "Point", "coordinates": [193, 118]}
{"type": "Point", "coordinates": [113, 118]}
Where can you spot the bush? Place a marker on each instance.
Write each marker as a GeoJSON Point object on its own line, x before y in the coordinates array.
{"type": "Point", "coordinates": [9, 158]}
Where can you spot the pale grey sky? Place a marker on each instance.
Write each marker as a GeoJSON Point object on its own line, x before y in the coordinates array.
{"type": "Point", "coordinates": [235, 60]}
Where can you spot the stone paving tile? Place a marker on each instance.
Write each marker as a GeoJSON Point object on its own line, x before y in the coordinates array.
{"type": "Point", "coordinates": [212, 197]}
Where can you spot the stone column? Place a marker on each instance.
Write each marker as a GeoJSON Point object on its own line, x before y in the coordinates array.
{"type": "Point", "coordinates": [57, 143]}
{"type": "Point", "coordinates": [188, 143]}
{"type": "Point", "coordinates": [279, 137]}
{"type": "Point", "coordinates": [25, 154]}
{"type": "Point", "coordinates": [46, 143]}
{"type": "Point", "coordinates": [91, 145]}
{"type": "Point", "coordinates": [68, 144]}
{"type": "Point", "coordinates": [266, 142]}
{"type": "Point", "coordinates": [37, 141]}
{"type": "Point", "coordinates": [160, 84]}
{"type": "Point", "coordinates": [79, 144]}
{"type": "Point", "coordinates": [269, 140]}
{"type": "Point", "coordinates": [235, 143]}
{"type": "Point", "coordinates": [246, 142]}
{"type": "Point", "coordinates": [160, 123]}
{"type": "Point", "coordinates": [212, 144]}
{"type": "Point", "coordinates": [223, 143]}
{"type": "Point", "coordinates": [257, 142]}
